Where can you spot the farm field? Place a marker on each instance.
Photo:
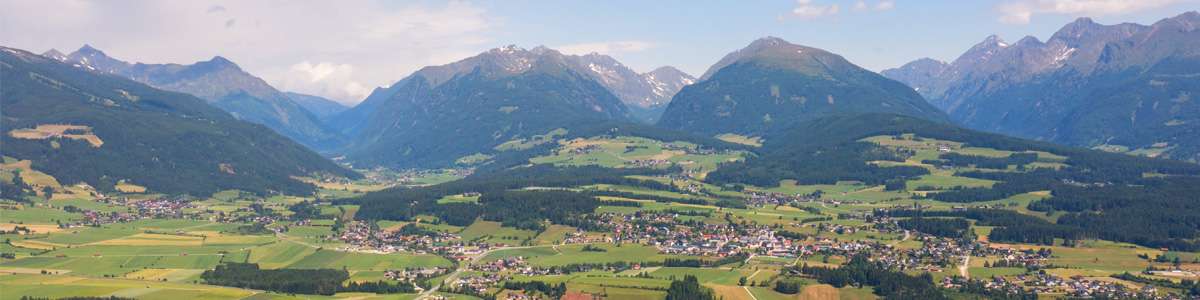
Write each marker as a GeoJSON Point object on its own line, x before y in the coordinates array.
{"type": "Point", "coordinates": [592, 255]}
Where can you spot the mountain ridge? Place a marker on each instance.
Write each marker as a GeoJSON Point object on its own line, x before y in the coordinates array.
{"type": "Point", "coordinates": [771, 84]}
{"type": "Point", "coordinates": [167, 141]}
{"type": "Point", "coordinates": [223, 84]}
{"type": "Point", "coordinates": [441, 113]}
{"type": "Point", "coordinates": [1110, 86]}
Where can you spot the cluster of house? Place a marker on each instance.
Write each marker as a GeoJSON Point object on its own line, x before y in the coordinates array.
{"type": "Point", "coordinates": [413, 274]}
{"type": "Point", "coordinates": [477, 284]}
{"type": "Point", "coordinates": [362, 237]}
{"type": "Point", "coordinates": [582, 150]}
{"type": "Point", "coordinates": [504, 264]}
{"type": "Point", "coordinates": [97, 218]}
{"type": "Point", "coordinates": [836, 228]}
{"type": "Point", "coordinates": [144, 209]}
{"type": "Point", "coordinates": [648, 163]}
{"type": "Point", "coordinates": [1076, 287]}
{"type": "Point", "coordinates": [385, 176]}
{"type": "Point", "coordinates": [161, 208]}
{"type": "Point", "coordinates": [724, 240]}
{"type": "Point", "coordinates": [762, 199]}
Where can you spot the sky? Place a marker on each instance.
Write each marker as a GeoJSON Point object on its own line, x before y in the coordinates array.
{"type": "Point", "coordinates": [344, 49]}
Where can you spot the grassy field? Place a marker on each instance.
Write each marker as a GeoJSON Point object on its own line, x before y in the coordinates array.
{"type": "Point", "coordinates": [492, 232]}
{"type": "Point", "coordinates": [553, 234]}
{"type": "Point", "coordinates": [458, 199]}
{"type": "Point", "coordinates": [741, 139]}
{"type": "Point", "coordinates": [280, 254]}
{"type": "Point", "coordinates": [15, 286]}
{"type": "Point", "coordinates": [328, 259]}
{"type": "Point", "coordinates": [705, 275]}
{"type": "Point", "coordinates": [624, 151]}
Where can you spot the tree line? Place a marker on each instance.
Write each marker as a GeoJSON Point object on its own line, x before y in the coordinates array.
{"type": "Point", "coordinates": [295, 281]}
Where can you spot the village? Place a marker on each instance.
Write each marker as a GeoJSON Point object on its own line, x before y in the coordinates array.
{"type": "Point", "coordinates": [670, 234]}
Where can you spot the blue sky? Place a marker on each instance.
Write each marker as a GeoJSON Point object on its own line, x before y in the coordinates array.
{"type": "Point", "coordinates": [694, 34]}
{"type": "Point", "coordinates": [343, 49]}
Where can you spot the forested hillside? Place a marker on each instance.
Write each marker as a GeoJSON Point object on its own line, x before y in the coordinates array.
{"type": "Point", "coordinates": [124, 130]}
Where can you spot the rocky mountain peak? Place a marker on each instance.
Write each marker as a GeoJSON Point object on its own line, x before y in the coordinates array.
{"type": "Point", "coordinates": [217, 63]}
{"type": "Point", "coordinates": [1188, 21]}
{"type": "Point", "coordinates": [93, 59]}
{"type": "Point", "coordinates": [54, 54]}
{"type": "Point", "coordinates": [778, 52]}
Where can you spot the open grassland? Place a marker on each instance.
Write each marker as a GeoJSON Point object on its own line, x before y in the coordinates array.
{"type": "Point", "coordinates": [170, 275]}
{"type": "Point", "coordinates": [127, 187]}
{"type": "Point", "coordinates": [458, 199]}
{"type": "Point", "coordinates": [16, 286]}
{"type": "Point", "coordinates": [553, 234]}
{"type": "Point", "coordinates": [1094, 257]}
{"type": "Point", "coordinates": [492, 232]}
{"type": "Point", "coordinates": [55, 131]}
{"type": "Point", "coordinates": [279, 254]}
{"type": "Point", "coordinates": [705, 275]}
{"type": "Point", "coordinates": [625, 151]}
{"type": "Point", "coordinates": [329, 259]}
{"type": "Point", "coordinates": [741, 139]}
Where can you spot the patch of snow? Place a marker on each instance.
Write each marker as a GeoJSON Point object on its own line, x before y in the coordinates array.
{"type": "Point", "coordinates": [608, 75]}
{"type": "Point", "coordinates": [1063, 55]}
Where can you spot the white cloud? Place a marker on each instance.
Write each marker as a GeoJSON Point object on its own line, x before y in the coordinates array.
{"type": "Point", "coordinates": [614, 47]}
{"type": "Point", "coordinates": [806, 9]}
{"type": "Point", "coordinates": [367, 43]}
{"type": "Point", "coordinates": [885, 5]}
{"type": "Point", "coordinates": [1020, 12]}
{"type": "Point", "coordinates": [331, 80]}
{"type": "Point", "coordinates": [809, 9]}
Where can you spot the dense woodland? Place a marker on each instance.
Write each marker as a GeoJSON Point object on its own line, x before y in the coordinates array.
{"type": "Point", "coordinates": [951, 228]}
{"type": "Point", "coordinates": [689, 289]}
{"type": "Point", "coordinates": [887, 283]}
{"type": "Point", "coordinates": [538, 287]}
{"type": "Point", "coordinates": [300, 281]}
{"type": "Point", "coordinates": [295, 281]}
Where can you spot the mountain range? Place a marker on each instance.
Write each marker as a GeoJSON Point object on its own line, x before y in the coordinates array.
{"type": "Point", "coordinates": [645, 94]}
{"type": "Point", "coordinates": [772, 84]}
{"type": "Point", "coordinates": [319, 106]}
{"type": "Point", "coordinates": [224, 85]}
{"type": "Point", "coordinates": [1121, 87]}
{"type": "Point", "coordinates": [1124, 87]}
{"type": "Point", "coordinates": [83, 126]}
{"type": "Point", "coordinates": [441, 113]}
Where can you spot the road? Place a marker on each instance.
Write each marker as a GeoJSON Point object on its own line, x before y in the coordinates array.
{"type": "Point", "coordinates": [750, 280]}
{"type": "Point", "coordinates": [962, 269]}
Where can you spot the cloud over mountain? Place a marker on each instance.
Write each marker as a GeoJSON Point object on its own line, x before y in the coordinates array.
{"type": "Point", "coordinates": [367, 43]}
